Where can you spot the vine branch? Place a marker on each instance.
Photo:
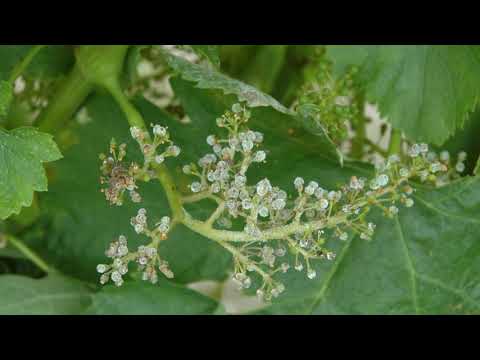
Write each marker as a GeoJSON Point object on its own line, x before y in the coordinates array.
{"type": "Point", "coordinates": [29, 253]}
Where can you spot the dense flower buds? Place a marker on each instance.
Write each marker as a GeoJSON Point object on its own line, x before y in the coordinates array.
{"type": "Point", "coordinates": [266, 208]}
{"type": "Point", "coordinates": [279, 231]}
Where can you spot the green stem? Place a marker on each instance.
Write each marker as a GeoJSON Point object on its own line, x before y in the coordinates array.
{"type": "Point", "coordinates": [395, 146]}
{"type": "Point", "coordinates": [173, 196]}
{"type": "Point", "coordinates": [22, 65]}
{"type": "Point", "coordinates": [134, 118]}
{"type": "Point", "coordinates": [71, 93]}
{"type": "Point", "coordinates": [376, 148]}
{"type": "Point", "coordinates": [361, 134]}
{"type": "Point", "coordinates": [216, 214]}
{"type": "Point", "coordinates": [29, 253]}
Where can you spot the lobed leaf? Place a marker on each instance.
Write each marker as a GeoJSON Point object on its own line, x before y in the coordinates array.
{"type": "Point", "coordinates": [22, 152]}
{"type": "Point", "coordinates": [427, 91]}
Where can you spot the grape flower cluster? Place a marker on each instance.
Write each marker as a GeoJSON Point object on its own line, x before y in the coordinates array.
{"type": "Point", "coordinates": [120, 179]}
{"type": "Point", "coordinates": [266, 229]}
{"type": "Point", "coordinates": [146, 257]}
{"type": "Point", "coordinates": [276, 223]}
{"type": "Point", "coordinates": [331, 102]}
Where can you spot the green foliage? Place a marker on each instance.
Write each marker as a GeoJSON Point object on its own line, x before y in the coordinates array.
{"type": "Point", "coordinates": [58, 295]}
{"type": "Point", "coordinates": [208, 78]}
{"type": "Point", "coordinates": [427, 91]}
{"type": "Point", "coordinates": [6, 96]}
{"type": "Point", "coordinates": [210, 52]}
{"type": "Point", "coordinates": [141, 298]}
{"type": "Point", "coordinates": [423, 261]}
{"type": "Point", "coordinates": [53, 295]}
{"type": "Point", "coordinates": [10, 56]}
{"type": "Point", "coordinates": [268, 61]}
{"type": "Point", "coordinates": [23, 150]}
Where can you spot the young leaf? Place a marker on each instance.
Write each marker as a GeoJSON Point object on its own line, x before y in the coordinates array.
{"type": "Point", "coordinates": [141, 298]}
{"type": "Point", "coordinates": [23, 150]}
{"type": "Point", "coordinates": [208, 78]}
{"type": "Point", "coordinates": [427, 91]}
{"type": "Point", "coordinates": [53, 295]}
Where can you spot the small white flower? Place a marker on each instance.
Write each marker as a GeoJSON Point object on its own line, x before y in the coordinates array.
{"type": "Point", "coordinates": [311, 274]}
{"type": "Point", "coordinates": [159, 131]}
{"type": "Point", "coordinates": [159, 159]}
{"type": "Point", "coordinates": [298, 182]}
{"type": "Point", "coordinates": [259, 156]}
{"type": "Point", "coordinates": [101, 268]}
{"type": "Point", "coordinates": [211, 140]}
{"type": "Point", "coordinates": [263, 187]}
{"type": "Point", "coordinates": [196, 187]}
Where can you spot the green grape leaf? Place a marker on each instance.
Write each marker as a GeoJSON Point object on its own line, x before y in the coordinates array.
{"type": "Point", "coordinates": [82, 223]}
{"type": "Point", "coordinates": [477, 167]}
{"type": "Point", "coordinates": [53, 295]}
{"type": "Point", "coordinates": [6, 96]}
{"type": "Point", "coordinates": [465, 140]}
{"type": "Point", "coordinates": [142, 298]}
{"type": "Point", "coordinates": [427, 91]}
{"type": "Point", "coordinates": [22, 152]}
{"type": "Point", "coordinates": [209, 78]}
{"type": "Point", "coordinates": [210, 52]}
